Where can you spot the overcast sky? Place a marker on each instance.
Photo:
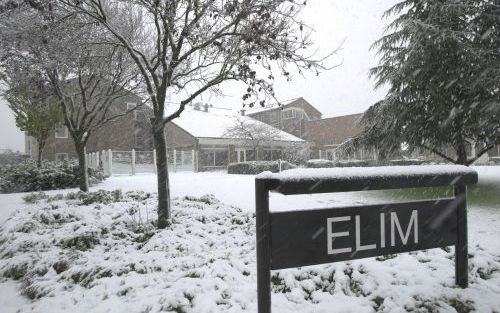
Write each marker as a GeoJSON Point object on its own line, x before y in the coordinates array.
{"type": "Point", "coordinates": [342, 90]}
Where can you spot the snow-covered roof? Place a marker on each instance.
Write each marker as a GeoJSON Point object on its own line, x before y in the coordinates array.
{"type": "Point", "coordinates": [216, 122]}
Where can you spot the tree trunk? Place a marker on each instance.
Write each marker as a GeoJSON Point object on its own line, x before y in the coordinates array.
{"type": "Point", "coordinates": [164, 210]}
{"type": "Point", "coordinates": [83, 176]}
{"type": "Point", "coordinates": [462, 153]}
{"type": "Point", "coordinates": [41, 146]}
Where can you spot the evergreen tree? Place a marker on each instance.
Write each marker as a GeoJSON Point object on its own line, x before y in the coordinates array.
{"type": "Point", "coordinates": [441, 61]}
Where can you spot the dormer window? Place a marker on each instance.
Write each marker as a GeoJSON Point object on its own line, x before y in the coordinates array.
{"type": "Point", "coordinates": [292, 113]}
{"type": "Point", "coordinates": [61, 132]}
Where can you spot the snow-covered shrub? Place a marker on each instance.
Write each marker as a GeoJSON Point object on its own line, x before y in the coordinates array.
{"type": "Point", "coordinates": [257, 167]}
{"type": "Point", "coordinates": [35, 197]}
{"type": "Point", "coordinates": [320, 163]}
{"type": "Point", "coordinates": [406, 162]}
{"type": "Point", "coordinates": [356, 163]}
{"type": "Point", "coordinates": [100, 196]}
{"type": "Point", "coordinates": [26, 176]}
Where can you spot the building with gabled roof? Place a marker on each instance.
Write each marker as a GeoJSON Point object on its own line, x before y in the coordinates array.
{"type": "Point", "coordinates": [290, 116]}
{"type": "Point", "coordinates": [328, 134]}
{"type": "Point", "coordinates": [203, 136]}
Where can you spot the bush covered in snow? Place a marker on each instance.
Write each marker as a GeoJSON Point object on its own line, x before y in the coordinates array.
{"type": "Point", "coordinates": [319, 163]}
{"type": "Point", "coordinates": [257, 167]}
{"type": "Point", "coordinates": [71, 257]}
{"type": "Point", "coordinates": [406, 162]}
{"type": "Point", "coordinates": [26, 176]}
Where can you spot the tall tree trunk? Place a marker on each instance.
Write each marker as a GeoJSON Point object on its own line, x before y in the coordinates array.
{"type": "Point", "coordinates": [83, 176]}
{"type": "Point", "coordinates": [462, 153]}
{"type": "Point", "coordinates": [41, 146]}
{"type": "Point", "coordinates": [164, 209]}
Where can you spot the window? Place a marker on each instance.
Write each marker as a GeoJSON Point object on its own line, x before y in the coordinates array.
{"type": "Point", "coordinates": [61, 157]}
{"type": "Point", "coordinates": [288, 114]}
{"type": "Point", "coordinates": [62, 132]}
{"type": "Point", "coordinates": [131, 106]}
{"type": "Point", "coordinates": [214, 158]}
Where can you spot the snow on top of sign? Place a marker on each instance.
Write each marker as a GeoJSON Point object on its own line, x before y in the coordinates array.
{"type": "Point", "coordinates": [216, 122]}
{"type": "Point", "coordinates": [364, 172]}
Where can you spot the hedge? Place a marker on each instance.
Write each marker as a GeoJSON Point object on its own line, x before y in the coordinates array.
{"type": "Point", "coordinates": [318, 163]}
{"type": "Point", "coordinates": [26, 176]}
{"type": "Point", "coordinates": [256, 167]}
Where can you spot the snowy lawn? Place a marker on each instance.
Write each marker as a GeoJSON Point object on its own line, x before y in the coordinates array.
{"type": "Point", "coordinates": [64, 255]}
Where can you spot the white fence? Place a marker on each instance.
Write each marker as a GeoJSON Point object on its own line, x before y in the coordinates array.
{"type": "Point", "coordinates": [115, 162]}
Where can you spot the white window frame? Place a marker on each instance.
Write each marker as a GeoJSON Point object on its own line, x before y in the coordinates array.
{"type": "Point", "coordinates": [239, 153]}
{"type": "Point", "coordinates": [284, 114]}
{"type": "Point", "coordinates": [65, 136]}
{"type": "Point", "coordinates": [66, 157]}
{"type": "Point", "coordinates": [130, 106]}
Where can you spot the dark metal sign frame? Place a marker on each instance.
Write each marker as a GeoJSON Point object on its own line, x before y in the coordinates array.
{"type": "Point", "coordinates": [307, 237]}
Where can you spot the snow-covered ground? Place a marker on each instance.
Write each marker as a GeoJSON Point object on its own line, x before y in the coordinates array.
{"type": "Point", "coordinates": [206, 261]}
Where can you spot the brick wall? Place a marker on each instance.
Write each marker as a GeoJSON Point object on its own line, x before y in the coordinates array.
{"type": "Point", "coordinates": [131, 131]}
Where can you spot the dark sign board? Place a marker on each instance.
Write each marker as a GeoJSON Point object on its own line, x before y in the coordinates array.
{"type": "Point", "coordinates": [297, 238]}
{"type": "Point", "coordinates": [300, 238]}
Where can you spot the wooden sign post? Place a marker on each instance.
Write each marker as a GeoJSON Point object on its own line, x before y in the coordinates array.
{"type": "Point", "coordinates": [297, 238]}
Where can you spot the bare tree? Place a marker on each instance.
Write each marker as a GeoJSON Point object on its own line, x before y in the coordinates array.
{"type": "Point", "coordinates": [90, 95]}
{"type": "Point", "coordinates": [254, 133]}
{"type": "Point", "coordinates": [86, 79]}
{"type": "Point", "coordinates": [191, 46]}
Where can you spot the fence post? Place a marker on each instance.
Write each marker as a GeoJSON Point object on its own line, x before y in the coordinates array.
{"type": "Point", "coordinates": [97, 160]}
{"type": "Point", "coordinates": [110, 162]}
{"type": "Point", "coordinates": [104, 162]}
{"type": "Point", "coordinates": [461, 249]}
{"type": "Point", "coordinates": [154, 161]}
{"type": "Point", "coordinates": [182, 160]}
{"type": "Point", "coordinates": [263, 247]}
{"type": "Point", "coordinates": [279, 165]}
{"type": "Point", "coordinates": [133, 161]}
{"type": "Point", "coordinates": [193, 160]}
{"type": "Point", "coordinates": [175, 159]}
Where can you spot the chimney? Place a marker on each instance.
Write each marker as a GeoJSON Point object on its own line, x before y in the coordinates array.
{"type": "Point", "coordinates": [205, 107]}
{"type": "Point", "coordinates": [197, 106]}
{"type": "Point", "coordinates": [242, 112]}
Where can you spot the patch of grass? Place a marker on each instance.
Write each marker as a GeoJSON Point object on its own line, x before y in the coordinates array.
{"type": "Point", "coordinates": [278, 284]}
{"type": "Point", "coordinates": [35, 197]}
{"type": "Point", "coordinates": [27, 227]}
{"type": "Point", "coordinates": [100, 196]}
{"type": "Point", "coordinates": [486, 273]}
{"type": "Point", "coordinates": [16, 272]}
{"type": "Point", "coordinates": [82, 242]}
{"type": "Point", "coordinates": [174, 308]}
{"type": "Point", "coordinates": [193, 274]}
{"type": "Point", "coordinates": [207, 199]}
{"type": "Point", "coordinates": [60, 266]}
{"type": "Point", "coordinates": [378, 301]}
{"type": "Point", "coordinates": [83, 278]}
{"type": "Point", "coordinates": [31, 290]}
{"type": "Point", "coordinates": [385, 257]}
{"type": "Point", "coordinates": [124, 291]}
{"type": "Point", "coordinates": [461, 306]}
